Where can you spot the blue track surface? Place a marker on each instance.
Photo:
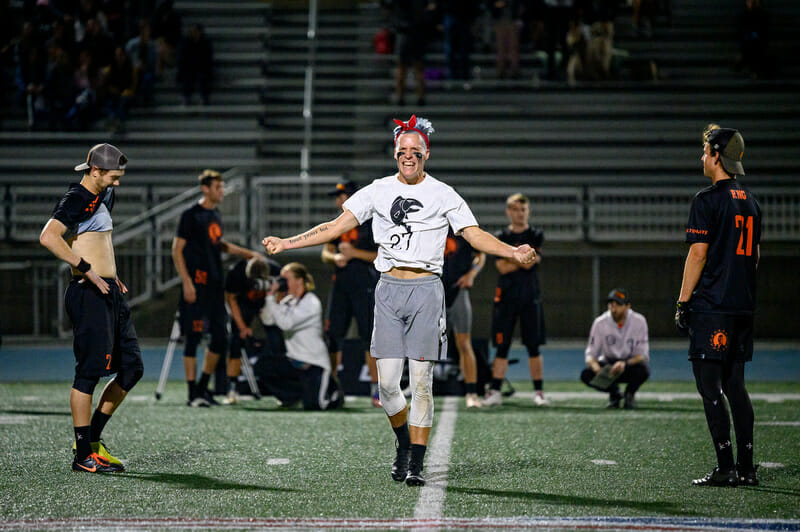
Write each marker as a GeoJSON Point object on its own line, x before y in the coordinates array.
{"type": "Point", "coordinates": [56, 363]}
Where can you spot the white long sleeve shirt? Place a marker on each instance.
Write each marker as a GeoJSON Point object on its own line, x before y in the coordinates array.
{"type": "Point", "coordinates": [301, 323]}
{"type": "Point", "coordinates": [608, 342]}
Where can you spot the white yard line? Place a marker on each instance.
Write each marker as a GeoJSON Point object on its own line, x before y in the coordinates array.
{"type": "Point", "coordinates": [658, 396]}
{"type": "Point", "coordinates": [431, 497]}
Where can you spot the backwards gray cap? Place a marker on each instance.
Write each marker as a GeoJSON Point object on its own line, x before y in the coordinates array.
{"type": "Point", "coordinates": [730, 145]}
{"type": "Point", "coordinates": [105, 157]}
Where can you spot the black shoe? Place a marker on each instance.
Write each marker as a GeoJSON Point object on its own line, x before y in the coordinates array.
{"type": "Point", "coordinates": [613, 401]}
{"type": "Point", "coordinates": [93, 463]}
{"type": "Point", "coordinates": [414, 477]}
{"type": "Point", "coordinates": [400, 464]}
{"type": "Point", "coordinates": [748, 477]}
{"type": "Point", "coordinates": [727, 478]}
{"type": "Point", "coordinates": [630, 403]}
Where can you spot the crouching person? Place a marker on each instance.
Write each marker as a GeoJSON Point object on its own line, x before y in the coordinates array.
{"type": "Point", "coordinates": [297, 311]}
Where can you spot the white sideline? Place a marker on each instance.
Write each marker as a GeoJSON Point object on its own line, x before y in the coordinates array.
{"type": "Point", "coordinates": [431, 496]}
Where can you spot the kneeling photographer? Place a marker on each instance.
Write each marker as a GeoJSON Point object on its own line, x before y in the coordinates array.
{"type": "Point", "coordinates": [297, 311]}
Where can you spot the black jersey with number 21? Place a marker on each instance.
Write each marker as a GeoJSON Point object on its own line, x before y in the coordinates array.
{"type": "Point", "coordinates": [727, 217]}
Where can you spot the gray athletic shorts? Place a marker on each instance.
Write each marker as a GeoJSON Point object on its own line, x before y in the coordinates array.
{"type": "Point", "coordinates": [409, 319]}
{"type": "Point", "coordinates": [459, 314]}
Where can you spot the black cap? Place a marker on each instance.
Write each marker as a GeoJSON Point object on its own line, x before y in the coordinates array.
{"type": "Point", "coordinates": [344, 187]}
{"type": "Point", "coordinates": [620, 295]}
{"type": "Point", "coordinates": [730, 145]}
{"type": "Point", "coordinates": [105, 157]}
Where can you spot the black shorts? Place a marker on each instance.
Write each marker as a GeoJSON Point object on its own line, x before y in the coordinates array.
{"type": "Point", "coordinates": [206, 313]}
{"type": "Point", "coordinates": [531, 323]}
{"type": "Point", "coordinates": [410, 46]}
{"type": "Point", "coordinates": [725, 337]}
{"type": "Point", "coordinates": [347, 302]}
{"type": "Point", "coordinates": [104, 338]}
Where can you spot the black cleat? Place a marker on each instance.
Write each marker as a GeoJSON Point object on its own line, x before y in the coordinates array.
{"type": "Point", "coordinates": [727, 479]}
{"type": "Point", "coordinates": [414, 477]}
{"type": "Point", "coordinates": [613, 401]}
{"type": "Point", "coordinates": [630, 403]}
{"type": "Point", "coordinates": [94, 463]}
{"type": "Point", "coordinates": [748, 477]}
{"type": "Point", "coordinates": [400, 464]}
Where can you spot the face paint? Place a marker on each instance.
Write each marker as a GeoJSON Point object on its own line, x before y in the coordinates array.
{"type": "Point", "coordinates": [418, 155]}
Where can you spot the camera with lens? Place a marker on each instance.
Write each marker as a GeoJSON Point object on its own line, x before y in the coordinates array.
{"type": "Point", "coordinates": [266, 284]}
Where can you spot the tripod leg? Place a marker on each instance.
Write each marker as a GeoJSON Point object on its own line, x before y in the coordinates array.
{"type": "Point", "coordinates": [174, 337]}
{"type": "Point", "coordinates": [247, 369]}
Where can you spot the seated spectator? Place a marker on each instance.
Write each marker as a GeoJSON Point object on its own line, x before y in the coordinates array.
{"type": "Point", "coordinates": [298, 313]}
{"type": "Point", "coordinates": [195, 65]}
{"type": "Point", "coordinates": [591, 51]}
{"type": "Point", "coordinates": [618, 341]}
{"type": "Point", "coordinates": [144, 54]}
{"type": "Point", "coordinates": [30, 78]}
{"type": "Point", "coordinates": [86, 80]}
{"type": "Point", "coordinates": [59, 88]}
{"type": "Point", "coordinates": [167, 29]}
{"type": "Point", "coordinates": [120, 89]}
{"type": "Point", "coordinates": [98, 43]}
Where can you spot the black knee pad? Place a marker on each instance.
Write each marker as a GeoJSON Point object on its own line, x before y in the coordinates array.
{"type": "Point", "coordinates": [85, 385]}
{"type": "Point", "coordinates": [533, 352]}
{"type": "Point", "coordinates": [192, 341]}
{"type": "Point", "coordinates": [128, 377]}
{"type": "Point", "coordinates": [502, 351]}
{"type": "Point", "coordinates": [218, 345]}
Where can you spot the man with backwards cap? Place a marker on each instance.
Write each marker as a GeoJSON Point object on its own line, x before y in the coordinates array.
{"type": "Point", "coordinates": [105, 343]}
{"type": "Point", "coordinates": [411, 212]}
{"type": "Point", "coordinates": [618, 339]}
{"type": "Point", "coordinates": [717, 299]}
{"type": "Point", "coordinates": [353, 290]}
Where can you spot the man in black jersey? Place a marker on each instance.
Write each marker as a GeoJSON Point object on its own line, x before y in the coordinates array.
{"type": "Point", "coordinates": [246, 287]}
{"type": "Point", "coordinates": [717, 300]}
{"type": "Point", "coordinates": [517, 297]}
{"type": "Point", "coordinates": [197, 254]}
{"type": "Point", "coordinates": [462, 263]}
{"type": "Point", "coordinates": [79, 233]}
{"type": "Point", "coordinates": [353, 290]}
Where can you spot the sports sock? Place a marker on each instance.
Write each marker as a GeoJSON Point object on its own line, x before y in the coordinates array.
{"type": "Point", "coordinates": [231, 384]}
{"type": "Point", "coordinates": [83, 447]}
{"type": "Point", "coordinates": [471, 387]}
{"type": "Point", "coordinates": [192, 388]}
{"type": "Point", "coordinates": [202, 384]}
{"type": "Point", "coordinates": [418, 454]}
{"type": "Point", "coordinates": [496, 383]}
{"type": "Point", "coordinates": [538, 384]}
{"type": "Point", "coordinates": [99, 421]}
{"type": "Point", "coordinates": [403, 436]}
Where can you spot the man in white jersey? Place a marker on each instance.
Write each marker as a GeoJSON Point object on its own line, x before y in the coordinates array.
{"type": "Point", "coordinates": [618, 339]}
{"type": "Point", "coordinates": [411, 212]}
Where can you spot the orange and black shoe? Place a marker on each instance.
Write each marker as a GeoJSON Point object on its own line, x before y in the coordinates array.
{"type": "Point", "coordinates": [94, 463]}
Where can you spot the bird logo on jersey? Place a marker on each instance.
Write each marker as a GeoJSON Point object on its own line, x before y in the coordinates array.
{"type": "Point", "coordinates": [401, 208]}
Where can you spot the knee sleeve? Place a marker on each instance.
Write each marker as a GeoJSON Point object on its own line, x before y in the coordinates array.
{"type": "Point", "coordinates": [421, 379]}
{"type": "Point", "coordinates": [85, 385]}
{"type": "Point", "coordinates": [533, 351]}
{"type": "Point", "coordinates": [390, 371]}
{"type": "Point", "coordinates": [502, 351]}
{"type": "Point", "coordinates": [128, 377]}
{"type": "Point", "coordinates": [218, 344]}
{"type": "Point", "coordinates": [192, 341]}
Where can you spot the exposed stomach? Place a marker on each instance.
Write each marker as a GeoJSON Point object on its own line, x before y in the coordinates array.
{"type": "Point", "coordinates": [408, 273]}
{"type": "Point", "coordinates": [97, 249]}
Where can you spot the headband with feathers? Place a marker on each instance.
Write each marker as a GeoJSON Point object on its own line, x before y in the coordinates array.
{"type": "Point", "coordinates": [420, 125]}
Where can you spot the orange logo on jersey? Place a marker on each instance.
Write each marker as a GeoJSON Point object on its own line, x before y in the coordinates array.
{"type": "Point", "coordinates": [450, 247]}
{"type": "Point", "coordinates": [498, 292]}
{"type": "Point", "coordinates": [200, 277]}
{"type": "Point", "coordinates": [197, 326]}
{"type": "Point", "coordinates": [350, 236]}
{"type": "Point", "coordinates": [214, 232]}
{"type": "Point", "coordinates": [92, 205]}
{"type": "Point", "coordinates": [696, 231]}
{"type": "Point", "coordinates": [739, 194]}
{"type": "Point", "coordinates": [719, 340]}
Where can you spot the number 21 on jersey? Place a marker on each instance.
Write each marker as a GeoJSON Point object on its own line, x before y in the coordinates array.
{"type": "Point", "coordinates": [745, 225]}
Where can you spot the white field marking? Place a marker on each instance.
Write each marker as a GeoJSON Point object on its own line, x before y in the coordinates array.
{"type": "Point", "coordinates": [15, 420]}
{"type": "Point", "coordinates": [659, 396]}
{"type": "Point", "coordinates": [431, 496]}
{"type": "Point", "coordinates": [30, 398]}
{"type": "Point", "coordinates": [278, 461]}
{"type": "Point", "coordinates": [771, 465]}
{"type": "Point", "coordinates": [603, 462]}
{"type": "Point", "coordinates": [139, 398]}
{"type": "Point", "coordinates": [779, 423]}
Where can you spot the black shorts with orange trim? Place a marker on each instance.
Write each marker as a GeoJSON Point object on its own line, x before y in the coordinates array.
{"type": "Point", "coordinates": [207, 313]}
{"type": "Point", "coordinates": [104, 337]}
{"type": "Point", "coordinates": [725, 337]}
{"type": "Point", "coordinates": [531, 321]}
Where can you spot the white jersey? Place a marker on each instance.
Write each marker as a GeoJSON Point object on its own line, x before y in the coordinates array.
{"type": "Point", "coordinates": [410, 222]}
{"type": "Point", "coordinates": [608, 342]}
{"type": "Point", "coordinates": [300, 320]}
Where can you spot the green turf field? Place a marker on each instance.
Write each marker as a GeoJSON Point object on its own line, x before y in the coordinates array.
{"type": "Point", "coordinates": [572, 459]}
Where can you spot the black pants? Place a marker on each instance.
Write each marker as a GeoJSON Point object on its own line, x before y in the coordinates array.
{"type": "Point", "coordinates": [635, 375]}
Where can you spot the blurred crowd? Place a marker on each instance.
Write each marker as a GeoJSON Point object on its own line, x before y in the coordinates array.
{"type": "Point", "coordinates": [74, 62]}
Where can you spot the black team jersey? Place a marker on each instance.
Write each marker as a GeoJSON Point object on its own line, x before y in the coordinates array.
{"type": "Point", "coordinates": [357, 271]}
{"type": "Point", "coordinates": [521, 285]}
{"type": "Point", "coordinates": [202, 230]}
{"type": "Point", "coordinates": [458, 257]}
{"type": "Point", "coordinates": [727, 217]}
{"type": "Point", "coordinates": [78, 205]}
{"type": "Point", "coordinates": [250, 299]}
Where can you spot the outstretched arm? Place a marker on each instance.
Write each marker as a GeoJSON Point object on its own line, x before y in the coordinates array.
{"type": "Point", "coordinates": [324, 232]}
{"type": "Point", "coordinates": [483, 241]}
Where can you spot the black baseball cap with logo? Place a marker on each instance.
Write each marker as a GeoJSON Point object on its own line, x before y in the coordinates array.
{"type": "Point", "coordinates": [344, 187]}
{"type": "Point", "coordinates": [730, 145]}
{"type": "Point", "coordinates": [620, 295]}
{"type": "Point", "coordinates": [105, 157]}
